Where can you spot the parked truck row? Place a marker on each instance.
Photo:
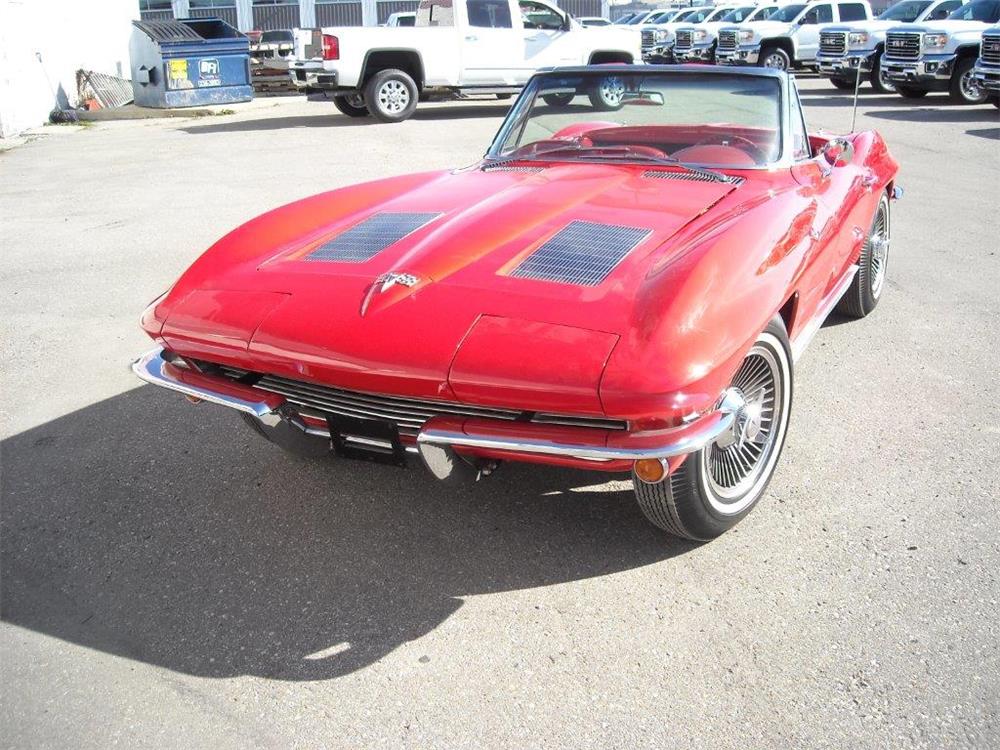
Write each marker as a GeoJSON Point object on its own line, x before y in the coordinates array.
{"type": "Point", "coordinates": [492, 47]}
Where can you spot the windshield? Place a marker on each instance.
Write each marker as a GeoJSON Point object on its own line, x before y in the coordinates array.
{"type": "Point", "coordinates": [907, 11]}
{"type": "Point", "coordinates": [636, 19]}
{"type": "Point", "coordinates": [661, 17]}
{"type": "Point", "coordinates": [716, 14]}
{"type": "Point", "coordinates": [704, 119]}
{"type": "Point", "coordinates": [736, 15]}
{"type": "Point", "coordinates": [786, 14]}
{"type": "Point", "coordinates": [987, 11]}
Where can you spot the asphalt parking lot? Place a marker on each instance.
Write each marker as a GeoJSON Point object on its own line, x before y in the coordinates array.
{"type": "Point", "coordinates": [170, 580]}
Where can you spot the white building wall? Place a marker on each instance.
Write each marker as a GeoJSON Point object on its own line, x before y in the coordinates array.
{"type": "Point", "coordinates": [42, 45]}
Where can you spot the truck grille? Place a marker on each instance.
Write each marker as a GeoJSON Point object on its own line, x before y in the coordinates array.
{"type": "Point", "coordinates": [990, 50]}
{"type": "Point", "coordinates": [648, 39]}
{"type": "Point", "coordinates": [727, 40]}
{"type": "Point", "coordinates": [409, 414]}
{"type": "Point", "coordinates": [684, 39]}
{"type": "Point", "coordinates": [902, 45]}
{"type": "Point", "coordinates": [833, 43]}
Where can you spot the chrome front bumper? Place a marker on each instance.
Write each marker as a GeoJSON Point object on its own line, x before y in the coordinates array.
{"type": "Point", "coordinates": [829, 65]}
{"type": "Point", "coordinates": [988, 76]}
{"type": "Point", "coordinates": [697, 53]}
{"type": "Point", "coordinates": [474, 434]}
{"type": "Point", "coordinates": [928, 69]}
{"type": "Point", "coordinates": [744, 54]}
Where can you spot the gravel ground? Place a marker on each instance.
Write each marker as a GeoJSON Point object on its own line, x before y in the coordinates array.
{"type": "Point", "coordinates": [170, 580]}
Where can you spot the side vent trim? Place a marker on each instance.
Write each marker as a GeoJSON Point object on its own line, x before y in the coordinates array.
{"type": "Point", "coordinates": [658, 174]}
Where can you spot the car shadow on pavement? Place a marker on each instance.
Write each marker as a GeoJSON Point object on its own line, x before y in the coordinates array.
{"type": "Point", "coordinates": [956, 113]}
{"type": "Point", "coordinates": [331, 119]}
{"type": "Point", "coordinates": [147, 528]}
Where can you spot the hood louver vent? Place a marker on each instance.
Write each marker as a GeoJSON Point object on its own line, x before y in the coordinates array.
{"type": "Point", "coordinates": [504, 168]}
{"type": "Point", "coordinates": [373, 235]}
{"type": "Point", "coordinates": [582, 253]}
{"type": "Point", "coordinates": [689, 176]}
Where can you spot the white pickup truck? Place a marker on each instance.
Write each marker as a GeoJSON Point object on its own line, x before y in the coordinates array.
{"type": "Point", "coordinates": [457, 47]}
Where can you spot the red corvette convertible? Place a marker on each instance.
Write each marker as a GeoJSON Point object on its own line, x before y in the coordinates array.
{"type": "Point", "coordinates": [622, 284]}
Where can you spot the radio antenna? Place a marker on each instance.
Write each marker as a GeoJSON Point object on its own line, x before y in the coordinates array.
{"type": "Point", "coordinates": [857, 85]}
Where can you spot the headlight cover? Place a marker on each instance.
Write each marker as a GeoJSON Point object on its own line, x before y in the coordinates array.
{"type": "Point", "coordinates": [746, 35]}
{"type": "Point", "coordinates": [661, 35]}
{"type": "Point", "coordinates": [935, 41]}
{"type": "Point", "coordinates": [699, 35]}
{"type": "Point", "coordinates": [857, 39]}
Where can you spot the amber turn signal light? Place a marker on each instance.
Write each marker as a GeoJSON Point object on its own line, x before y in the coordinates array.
{"type": "Point", "coordinates": [651, 470]}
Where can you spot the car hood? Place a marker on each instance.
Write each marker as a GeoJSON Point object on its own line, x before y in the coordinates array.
{"type": "Point", "coordinates": [869, 26]}
{"type": "Point", "coordinates": [274, 298]}
{"type": "Point", "coordinates": [949, 27]}
{"type": "Point", "coordinates": [768, 28]}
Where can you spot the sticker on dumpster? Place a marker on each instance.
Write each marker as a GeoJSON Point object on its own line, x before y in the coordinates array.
{"type": "Point", "coordinates": [177, 71]}
{"type": "Point", "coordinates": [208, 73]}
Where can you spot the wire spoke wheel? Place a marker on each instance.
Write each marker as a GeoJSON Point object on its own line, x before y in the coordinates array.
{"type": "Point", "coordinates": [735, 465]}
{"type": "Point", "coordinates": [878, 249]}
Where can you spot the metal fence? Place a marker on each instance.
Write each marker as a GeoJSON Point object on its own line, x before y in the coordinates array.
{"type": "Point", "coordinates": [580, 8]}
{"type": "Point", "coordinates": [226, 14]}
{"type": "Point", "coordinates": [387, 7]}
{"type": "Point", "coordinates": [272, 17]}
{"type": "Point", "coordinates": [156, 15]}
{"type": "Point", "coordinates": [339, 13]}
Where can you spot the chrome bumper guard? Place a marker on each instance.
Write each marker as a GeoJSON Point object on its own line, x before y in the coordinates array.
{"type": "Point", "coordinates": [987, 77]}
{"type": "Point", "coordinates": [586, 443]}
{"type": "Point", "coordinates": [930, 68]}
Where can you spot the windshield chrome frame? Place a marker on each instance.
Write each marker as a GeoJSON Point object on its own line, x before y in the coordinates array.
{"type": "Point", "coordinates": [522, 106]}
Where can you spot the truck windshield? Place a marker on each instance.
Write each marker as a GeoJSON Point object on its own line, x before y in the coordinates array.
{"type": "Point", "coordinates": [907, 11]}
{"type": "Point", "coordinates": [986, 11]}
{"type": "Point", "coordinates": [701, 119]}
{"type": "Point", "coordinates": [786, 14]}
{"type": "Point", "coordinates": [738, 15]}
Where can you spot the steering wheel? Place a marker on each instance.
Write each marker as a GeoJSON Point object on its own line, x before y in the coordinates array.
{"type": "Point", "coordinates": [750, 148]}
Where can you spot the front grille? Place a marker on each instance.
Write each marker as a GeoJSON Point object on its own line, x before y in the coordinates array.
{"type": "Point", "coordinates": [648, 39]}
{"type": "Point", "coordinates": [581, 253]}
{"type": "Point", "coordinates": [902, 45]}
{"type": "Point", "coordinates": [658, 174]}
{"type": "Point", "coordinates": [685, 39]}
{"type": "Point", "coordinates": [833, 43]}
{"type": "Point", "coordinates": [727, 40]}
{"type": "Point", "coordinates": [990, 50]}
{"type": "Point", "coordinates": [367, 239]}
{"type": "Point", "coordinates": [409, 414]}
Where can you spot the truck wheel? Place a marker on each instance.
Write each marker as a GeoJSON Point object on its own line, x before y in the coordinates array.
{"type": "Point", "coordinates": [774, 57]}
{"type": "Point", "coordinates": [352, 105]}
{"type": "Point", "coordinates": [607, 95]}
{"type": "Point", "coordinates": [909, 93]}
{"type": "Point", "coordinates": [843, 83]}
{"type": "Point", "coordinates": [391, 95]}
{"type": "Point", "coordinates": [996, 102]}
{"type": "Point", "coordinates": [866, 289]}
{"type": "Point", "coordinates": [964, 89]}
{"type": "Point", "coordinates": [557, 100]}
{"type": "Point", "coordinates": [721, 483]}
{"type": "Point", "coordinates": [877, 78]}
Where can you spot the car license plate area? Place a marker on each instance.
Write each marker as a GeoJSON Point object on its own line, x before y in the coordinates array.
{"type": "Point", "coordinates": [366, 439]}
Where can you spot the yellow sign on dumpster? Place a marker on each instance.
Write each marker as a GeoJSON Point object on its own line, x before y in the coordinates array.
{"type": "Point", "coordinates": [178, 70]}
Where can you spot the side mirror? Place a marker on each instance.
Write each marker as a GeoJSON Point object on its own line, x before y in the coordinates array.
{"type": "Point", "coordinates": [837, 152]}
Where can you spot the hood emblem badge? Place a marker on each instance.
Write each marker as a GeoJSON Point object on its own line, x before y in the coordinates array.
{"type": "Point", "coordinates": [385, 282]}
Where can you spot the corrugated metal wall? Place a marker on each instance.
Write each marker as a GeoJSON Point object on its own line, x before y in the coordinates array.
{"type": "Point", "coordinates": [339, 14]}
{"type": "Point", "coordinates": [271, 17]}
{"type": "Point", "coordinates": [580, 8]}
{"type": "Point", "coordinates": [226, 14]}
{"type": "Point", "coordinates": [387, 7]}
{"type": "Point", "coordinates": [156, 15]}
